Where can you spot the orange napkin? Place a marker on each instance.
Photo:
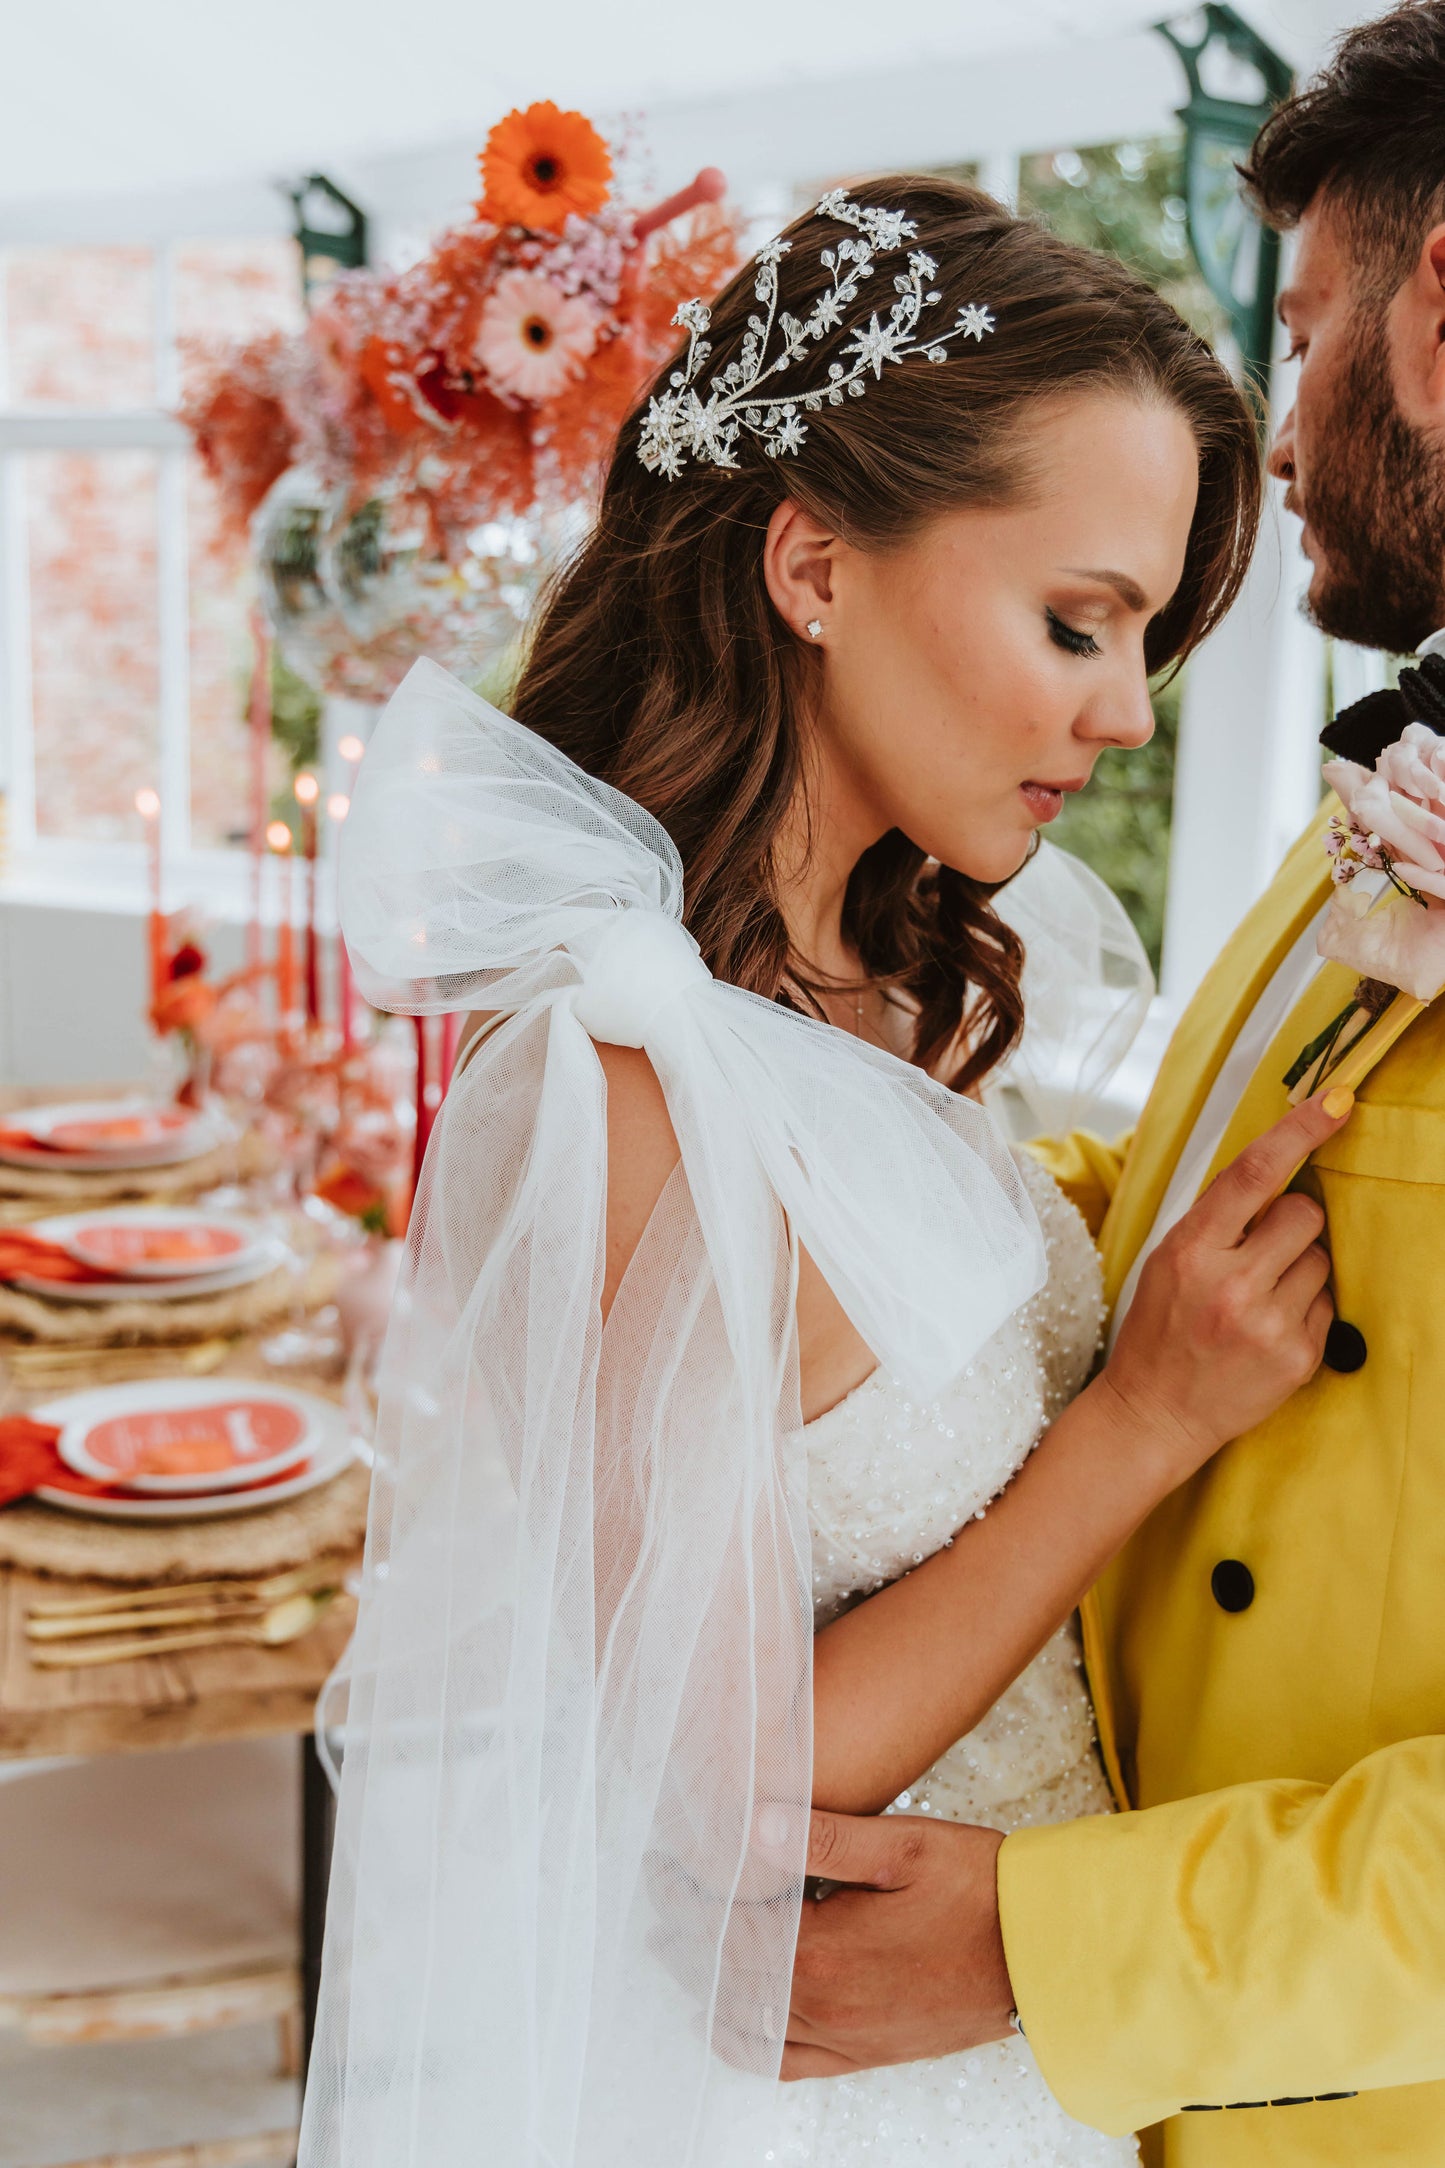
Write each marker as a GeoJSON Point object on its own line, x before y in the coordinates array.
{"type": "Point", "coordinates": [28, 1459]}
{"type": "Point", "coordinates": [42, 1260]}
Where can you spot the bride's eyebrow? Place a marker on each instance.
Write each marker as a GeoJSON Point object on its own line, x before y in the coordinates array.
{"type": "Point", "coordinates": [1129, 591]}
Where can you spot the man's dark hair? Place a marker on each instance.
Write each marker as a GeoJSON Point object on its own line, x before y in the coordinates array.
{"type": "Point", "coordinates": [1368, 133]}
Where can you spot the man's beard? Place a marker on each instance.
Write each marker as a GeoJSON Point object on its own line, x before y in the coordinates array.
{"type": "Point", "coordinates": [1375, 503]}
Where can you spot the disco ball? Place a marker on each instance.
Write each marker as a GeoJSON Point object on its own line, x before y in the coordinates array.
{"type": "Point", "coordinates": [357, 594]}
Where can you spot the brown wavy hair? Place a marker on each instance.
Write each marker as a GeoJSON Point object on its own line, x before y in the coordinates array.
{"type": "Point", "coordinates": [660, 665]}
{"type": "Point", "coordinates": [1366, 133]}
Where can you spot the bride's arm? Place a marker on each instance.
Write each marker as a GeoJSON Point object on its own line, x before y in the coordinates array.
{"type": "Point", "coordinates": [1229, 1319]}
{"type": "Point", "coordinates": [899, 1678]}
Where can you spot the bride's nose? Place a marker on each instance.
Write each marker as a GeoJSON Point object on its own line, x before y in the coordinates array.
{"type": "Point", "coordinates": [1122, 717]}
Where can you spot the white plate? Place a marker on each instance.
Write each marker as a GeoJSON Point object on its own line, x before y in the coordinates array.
{"type": "Point", "coordinates": [199, 1134]}
{"type": "Point", "coordinates": [255, 1267]}
{"type": "Point", "coordinates": [323, 1469]}
{"type": "Point", "coordinates": [238, 1239]}
{"type": "Point", "coordinates": [309, 1425]}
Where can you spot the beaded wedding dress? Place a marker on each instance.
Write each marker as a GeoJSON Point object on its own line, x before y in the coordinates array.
{"type": "Point", "coordinates": [889, 1478]}
{"type": "Point", "coordinates": [582, 1655]}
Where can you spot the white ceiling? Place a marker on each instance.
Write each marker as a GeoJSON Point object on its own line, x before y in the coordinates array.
{"type": "Point", "coordinates": [138, 101]}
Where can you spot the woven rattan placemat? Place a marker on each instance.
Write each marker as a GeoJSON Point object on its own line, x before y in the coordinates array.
{"type": "Point", "coordinates": [331, 1518]}
{"type": "Point", "coordinates": [301, 1287]}
{"type": "Point", "coordinates": [31, 1193]}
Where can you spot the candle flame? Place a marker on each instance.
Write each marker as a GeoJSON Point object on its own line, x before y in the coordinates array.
{"type": "Point", "coordinates": [278, 835]}
{"type": "Point", "coordinates": [350, 748]}
{"type": "Point", "coordinates": [307, 789]}
{"type": "Point", "coordinates": [147, 804]}
{"type": "Point", "coordinates": [338, 805]}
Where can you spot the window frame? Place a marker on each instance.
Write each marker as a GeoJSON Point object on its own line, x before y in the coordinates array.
{"type": "Point", "coordinates": [63, 869]}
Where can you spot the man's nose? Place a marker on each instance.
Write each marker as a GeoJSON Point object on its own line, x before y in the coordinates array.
{"type": "Point", "coordinates": [1281, 452]}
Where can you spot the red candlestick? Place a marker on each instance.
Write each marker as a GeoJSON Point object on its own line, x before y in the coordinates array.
{"type": "Point", "coordinates": [278, 835]}
{"type": "Point", "coordinates": [260, 734]}
{"type": "Point", "coordinates": [286, 948]}
{"type": "Point", "coordinates": [148, 805]}
{"type": "Point", "coordinates": [422, 1120]}
{"type": "Point", "coordinates": [344, 994]}
{"type": "Point", "coordinates": [307, 790]}
{"type": "Point", "coordinates": [338, 805]}
{"type": "Point", "coordinates": [313, 963]}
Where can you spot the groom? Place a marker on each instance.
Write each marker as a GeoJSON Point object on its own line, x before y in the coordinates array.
{"type": "Point", "coordinates": [1254, 1962]}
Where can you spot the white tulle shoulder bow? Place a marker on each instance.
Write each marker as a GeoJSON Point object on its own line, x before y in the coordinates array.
{"type": "Point", "coordinates": [582, 1655]}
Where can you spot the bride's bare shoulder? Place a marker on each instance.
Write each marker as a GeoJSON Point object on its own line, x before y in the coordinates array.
{"type": "Point", "coordinates": [642, 1150]}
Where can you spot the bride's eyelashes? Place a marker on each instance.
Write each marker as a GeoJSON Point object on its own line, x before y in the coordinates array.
{"type": "Point", "coordinates": [1069, 637]}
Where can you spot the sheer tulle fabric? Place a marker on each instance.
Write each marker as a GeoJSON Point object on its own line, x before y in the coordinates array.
{"type": "Point", "coordinates": [583, 1650]}
{"type": "Point", "coordinates": [1086, 989]}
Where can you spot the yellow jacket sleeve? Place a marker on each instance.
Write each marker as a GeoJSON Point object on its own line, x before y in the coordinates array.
{"type": "Point", "coordinates": [1086, 1169]}
{"type": "Point", "coordinates": [1271, 1942]}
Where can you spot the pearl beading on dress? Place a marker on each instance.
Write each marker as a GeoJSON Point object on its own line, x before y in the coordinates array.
{"type": "Point", "coordinates": [890, 1480]}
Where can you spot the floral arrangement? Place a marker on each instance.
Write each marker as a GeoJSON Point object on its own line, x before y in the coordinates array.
{"type": "Point", "coordinates": [1393, 826]}
{"type": "Point", "coordinates": [366, 1172]}
{"type": "Point", "coordinates": [1386, 918]}
{"type": "Point", "coordinates": [184, 998]}
{"type": "Point", "coordinates": [489, 378]}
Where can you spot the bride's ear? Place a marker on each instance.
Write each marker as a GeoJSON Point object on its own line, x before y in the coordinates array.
{"type": "Point", "coordinates": [798, 563]}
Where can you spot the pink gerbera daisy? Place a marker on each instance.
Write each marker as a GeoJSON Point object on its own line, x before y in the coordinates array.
{"type": "Point", "coordinates": [532, 339]}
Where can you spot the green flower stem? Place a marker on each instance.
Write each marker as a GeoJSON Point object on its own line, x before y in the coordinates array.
{"type": "Point", "coordinates": [1322, 1047]}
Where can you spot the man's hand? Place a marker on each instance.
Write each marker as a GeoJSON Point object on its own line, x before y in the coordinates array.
{"type": "Point", "coordinates": [905, 1963]}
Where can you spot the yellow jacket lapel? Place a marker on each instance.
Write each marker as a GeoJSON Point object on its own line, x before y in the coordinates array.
{"type": "Point", "coordinates": [1266, 1097]}
{"type": "Point", "coordinates": [1207, 1030]}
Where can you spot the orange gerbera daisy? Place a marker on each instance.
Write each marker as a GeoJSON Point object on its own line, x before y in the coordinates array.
{"type": "Point", "coordinates": [540, 165]}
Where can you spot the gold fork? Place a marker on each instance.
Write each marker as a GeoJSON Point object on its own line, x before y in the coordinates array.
{"type": "Point", "coordinates": [321, 1572]}
{"type": "Point", "coordinates": [285, 1621]}
{"type": "Point", "coordinates": [38, 1368]}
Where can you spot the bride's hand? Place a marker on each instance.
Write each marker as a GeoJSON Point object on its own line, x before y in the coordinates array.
{"type": "Point", "coordinates": [1231, 1310]}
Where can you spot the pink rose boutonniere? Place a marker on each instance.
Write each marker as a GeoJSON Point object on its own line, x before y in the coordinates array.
{"type": "Point", "coordinates": [1386, 918]}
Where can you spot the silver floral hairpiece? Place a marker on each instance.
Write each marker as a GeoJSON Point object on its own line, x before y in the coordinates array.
{"type": "Point", "coordinates": [677, 425]}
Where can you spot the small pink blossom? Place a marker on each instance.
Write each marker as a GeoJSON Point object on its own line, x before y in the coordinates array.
{"type": "Point", "coordinates": [1392, 926]}
{"type": "Point", "coordinates": [533, 339]}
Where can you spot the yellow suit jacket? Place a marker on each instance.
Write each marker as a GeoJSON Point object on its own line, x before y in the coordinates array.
{"type": "Point", "coordinates": [1267, 1931]}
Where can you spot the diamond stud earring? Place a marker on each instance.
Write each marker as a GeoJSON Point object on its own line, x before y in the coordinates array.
{"type": "Point", "coordinates": [815, 628]}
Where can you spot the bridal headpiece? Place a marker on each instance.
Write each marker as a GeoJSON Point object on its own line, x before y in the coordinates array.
{"type": "Point", "coordinates": [679, 425]}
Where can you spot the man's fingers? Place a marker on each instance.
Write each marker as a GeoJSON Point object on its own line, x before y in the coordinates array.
{"type": "Point", "coordinates": [804, 2062]}
{"type": "Point", "coordinates": [1299, 1288]}
{"type": "Point", "coordinates": [1285, 1231]}
{"type": "Point", "coordinates": [742, 2050]}
{"type": "Point", "coordinates": [1264, 1168]}
{"type": "Point", "coordinates": [1319, 1318]}
{"type": "Point", "coordinates": [875, 1851]}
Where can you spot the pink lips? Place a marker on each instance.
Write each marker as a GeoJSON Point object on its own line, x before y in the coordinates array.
{"type": "Point", "coordinates": [1046, 800]}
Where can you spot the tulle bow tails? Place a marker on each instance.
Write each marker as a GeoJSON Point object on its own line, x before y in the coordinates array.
{"type": "Point", "coordinates": [582, 1652]}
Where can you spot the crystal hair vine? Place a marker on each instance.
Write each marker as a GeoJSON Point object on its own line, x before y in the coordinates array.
{"type": "Point", "coordinates": [678, 426]}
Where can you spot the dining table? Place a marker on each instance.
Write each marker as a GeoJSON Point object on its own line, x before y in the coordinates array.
{"type": "Point", "coordinates": [155, 1702]}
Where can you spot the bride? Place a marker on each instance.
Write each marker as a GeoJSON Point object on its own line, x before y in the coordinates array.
{"type": "Point", "coordinates": [736, 1448]}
